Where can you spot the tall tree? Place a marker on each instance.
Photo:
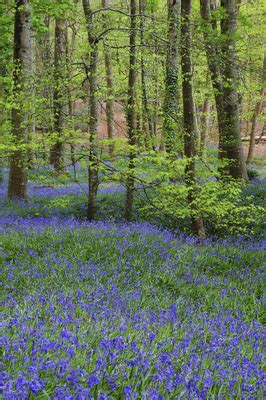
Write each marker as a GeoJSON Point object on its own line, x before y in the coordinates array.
{"type": "Point", "coordinates": [189, 117]}
{"type": "Point", "coordinates": [210, 36]}
{"type": "Point", "coordinates": [131, 110]}
{"type": "Point", "coordinates": [231, 138]}
{"type": "Point", "coordinates": [257, 111]}
{"type": "Point", "coordinates": [71, 104]}
{"type": "Point", "coordinates": [93, 111]}
{"type": "Point", "coordinates": [60, 93]}
{"type": "Point", "coordinates": [47, 120]}
{"type": "Point", "coordinates": [221, 56]}
{"type": "Point", "coordinates": [17, 186]}
{"type": "Point", "coordinates": [204, 126]}
{"type": "Point", "coordinates": [110, 117]}
{"type": "Point", "coordinates": [146, 113]}
{"type": "Point", "coordinates": [170, 107]}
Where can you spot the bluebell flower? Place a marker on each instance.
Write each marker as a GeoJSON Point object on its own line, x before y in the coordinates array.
{"type": "Point", "coordinates": [93, 381]}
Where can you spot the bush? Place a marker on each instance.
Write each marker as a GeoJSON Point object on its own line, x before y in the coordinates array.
{"type": "Point", "coordinates": [226, 208]}
{"type": "Point", "coordinates": [253, 174]}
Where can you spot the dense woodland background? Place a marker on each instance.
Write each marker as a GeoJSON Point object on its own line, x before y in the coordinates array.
{"type": "Point", "coordinates": [139, 92]}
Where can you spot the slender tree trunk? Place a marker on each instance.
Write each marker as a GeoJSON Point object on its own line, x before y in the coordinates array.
{"type": "Point", "coordinates": [205, 124]}
{"type": "Point", "coordinates": [232, 138]}
{"type": "Point", "coordinates": [71, 104]}
{"type": "Point", "coordinates": [131, 111]}
{"type": "Point", "coordinates": [31, 125]}
{"type": "Point", "coordinates": [189, 117]}
{"type": "Point", "coordinates": [155, 83]}
{"type": "Point", "coordinates": [17, 186]}
{"type": "Point", "coordinates": [93, 113]}
{"type": "Point", "coordinates": [93, 126]}
{"type": "Point", "coordinates": [257, 111]}
{"type": "Point", "coordinates": [213, 59]}
{"type": "Point", "coordinates": [171, 77]}
{"type": "Point", "coordinates": [110, 116]}
{"type": "Point", "coordinates": [60, 93]}
{"type": "Point", "coordinates": [146, 114]}
{"type": "Point", "coordinates": [263, 133]}
{"type": "Point", "coordinates": [47, 95]}
{"type": "Point", "coordinates": [72, 145]}
{"type": "Point", "coordinates": [156, 97]}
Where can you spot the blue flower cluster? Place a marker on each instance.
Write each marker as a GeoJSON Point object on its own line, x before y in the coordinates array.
{"type": "Point", "coordinates": [108, 311]}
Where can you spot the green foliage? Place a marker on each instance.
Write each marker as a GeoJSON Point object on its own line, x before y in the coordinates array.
{"type": "Point", "coordinates": [226, 207]}
{"type": "Point", "coordinates": [252, 173]}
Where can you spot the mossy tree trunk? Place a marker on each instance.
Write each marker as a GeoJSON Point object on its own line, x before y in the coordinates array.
{"type": "Point", "coordinates": [131, 111]}
{"type": "Point", "coordinates": [17, 186]}
{"type": "Point", "coordinates": [189, 117]}
{"type": "Point", "coordinates": [60, 94]}
{"type": "Point", "coordinates": [171, 99]}
{"type": "Point", "coordinates": [93, 112]}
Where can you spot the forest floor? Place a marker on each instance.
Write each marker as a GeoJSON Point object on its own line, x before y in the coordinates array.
{"type": "Point", "coordinates": [108, 310]}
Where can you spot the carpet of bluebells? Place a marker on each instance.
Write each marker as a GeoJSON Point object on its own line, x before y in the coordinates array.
{"type": "Point", "coordinates": [107, 310]}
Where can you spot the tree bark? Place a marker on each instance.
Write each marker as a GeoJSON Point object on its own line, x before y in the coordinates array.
{"type": "Point", "coordinates": [222, 66]}
{"type": "Point", "coordinates": [60, 94]}
{"type": "Point", "coordinates": [205, 124]}
{"type": "Point", "coordinates": [189, 117]}
{"type": "Point", "coordinates": [257, 111]}
{"type": "Point", "coordinates": [131, 111]}
{"type": "Point", "coordinates": [146, 114]}
{"type": "Point", "coordinates": [213, 59]}
{"type": "Point", "coordinates": [171, 77]}
{"type": "Point", "coordinates": [155, 102]}
{"type": "Point", "coordinates": [110, 116]}
{"type": "Point", "coordinates": [47, 92]}
{"type": "Point", "coordinates": [231, 134]}
{"type": "Point", "coordinates": [93, 113]}
{"type": "Point", "coordinates": [71, 103]}
{"type": "Point", "coordinates": [17, 186]}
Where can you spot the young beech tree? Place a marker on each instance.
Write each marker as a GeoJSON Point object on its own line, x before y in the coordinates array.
{"type": "Point", "coordinates": [189, 117]}
{"type": "Point", "coordinates": [204, 126]}
{"type": "Point", "coordinates": [257, 111]}
{"type": "Point", "coordinates": [93, 111]}
{"type": "Point", "coordinates": [46, 92]}
{"type": "Point", "coordinates": [60, 93]}
{"type": "Point", "coordinates": [131, 110]}
{"type": "Point", "coordinates": [110, 116]}
{"type": "Point", "coordinates": [170, 107]}
{"type": "Point", "coordinates": [22, 77]}
{"type": "Point", "coordinates": [147, 127]}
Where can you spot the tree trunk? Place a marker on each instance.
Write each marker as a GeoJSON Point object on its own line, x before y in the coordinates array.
{"type": "Point", "coordinates": [31, 126]}
{"type": "Point", "coordinates": [170, 108]}
{"type": "Point", "coordinates": [189, 117]}
{"type": "Point", "coordinates": [71, 104]}
{"type": "Point", "coordinates": [213, 59]}
{"type": "Point", "coordinates": [146, 114]}
{"type": "Point", "coordinates": [17, 186]}
{"type": "Point", "coordinates": [110, 116]}
{"type": "Point", "coordinates": [60, 93]}
{"type": "Point", "coordinates": [93, 113]}
{"type": "Point", "coordinates": [257, 111]}
{"type": "Point", "coordinates": [155, 104]}
{"type": "Point", "coordinates": [47, 92]}
{"type": "Point", "coordinates": [231, 134]}
{"type": "Point", "coordinates": [205, 123]}
{"type": "Point", "coordinates": [131, 111]}
{"type": "Point", "coordinates": [223, 70]}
